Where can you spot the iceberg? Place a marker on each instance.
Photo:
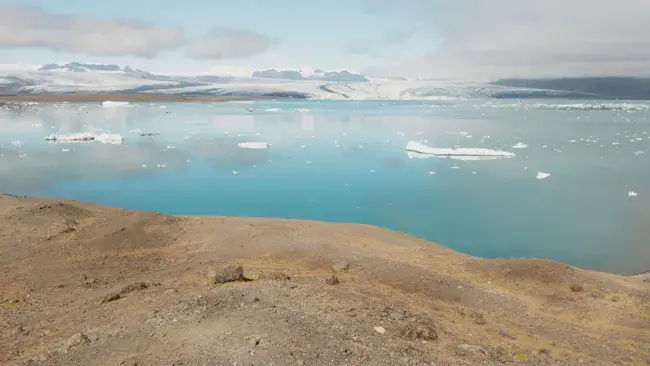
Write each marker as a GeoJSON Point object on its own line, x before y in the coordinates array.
{"type": "Point", "coordinates": [448, 152]}
{"type": "Point", "coordinates": [253, 145]}
{"type": "Point", "coordinates": [541, 175]}
{"type": "Point", "coordinates": [519, 145]}
{"type": "Point", "coordinates": [104, 138]}
{"type": "Point", "coordinates": [110, 104]}
{"type": "Point", "coordinates": [72, 137]}
{"type": "Point", "coordinates": [416, 155]}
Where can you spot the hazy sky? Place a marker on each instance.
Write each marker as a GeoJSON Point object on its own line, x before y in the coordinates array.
{"type": "Point", "coordinates": [436, 38]}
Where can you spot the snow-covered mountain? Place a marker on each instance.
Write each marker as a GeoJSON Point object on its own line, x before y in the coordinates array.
{"type": "Point", "coordinates": [284, 83]}
{"type": "Point", "coordinates": [334, 76]}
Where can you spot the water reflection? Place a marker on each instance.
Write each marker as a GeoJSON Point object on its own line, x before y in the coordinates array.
{"type": "Point", "coordinates": [341, 162]}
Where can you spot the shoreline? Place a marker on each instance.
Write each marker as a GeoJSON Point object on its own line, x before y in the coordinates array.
{"type": "Point", "coordinates": [84, 283]}
{"type": "Point", "coordinates": [641, 274]}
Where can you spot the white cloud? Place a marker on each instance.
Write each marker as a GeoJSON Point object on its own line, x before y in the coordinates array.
{"type": "Point", "coordinates": [513, 38]}
{"type": "Point", "coordinates": [23, 27]}
{"type": "Point", "coordinates": [228, 43]}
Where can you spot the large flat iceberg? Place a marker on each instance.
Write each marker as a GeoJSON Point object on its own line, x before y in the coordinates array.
{"type": "Point", "coordinates": [112, 104]}
{"type": "Point", "coordinates": [253, 145]}
{"type": "Point", "coordinates": [428, 150]}
{"type": "Point", "coordinates": [104, 138]}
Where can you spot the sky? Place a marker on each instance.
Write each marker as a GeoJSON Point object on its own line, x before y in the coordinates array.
{"type": "Point", "coordinates": [464, 39]}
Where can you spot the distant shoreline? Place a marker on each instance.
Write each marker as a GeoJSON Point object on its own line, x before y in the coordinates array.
{"type": "Point", "coordinates": [101, 97]}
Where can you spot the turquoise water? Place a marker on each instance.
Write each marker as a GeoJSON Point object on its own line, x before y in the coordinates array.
{"type": "Point", "coordinates": [346, 161]}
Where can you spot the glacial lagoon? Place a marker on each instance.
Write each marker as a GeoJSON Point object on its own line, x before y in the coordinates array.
{"type": "Point", "coordinates": [577, 191]}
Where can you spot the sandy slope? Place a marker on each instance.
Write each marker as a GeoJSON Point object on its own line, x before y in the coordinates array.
{"type": "Point", "coordinates": [140, 286]}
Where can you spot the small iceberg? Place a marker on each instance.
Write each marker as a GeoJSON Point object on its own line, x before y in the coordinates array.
{"type": "Point", "coordinates": [427, 150]}
{"type": "Point", "coordinates": [111, 104]}
{"type": "Point", "coordinates": [632, 194]}
{"type": "Point", "coordinates": [253, 145]}
{"type": "Point", "coordinates": [104, 138]}
{"type": "Point", "coordinates": [272, 110]}
{"type": "Point", "coordinates": [519, 145]}
{"type": "Point", "coordinates": [542, 175]}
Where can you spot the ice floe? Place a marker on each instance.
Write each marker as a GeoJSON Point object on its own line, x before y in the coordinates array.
{"type": "Point", "coordinates": [424, 149]}
{"type": "Point", "coordinates": [632, 194]}
{"type": "Point", "coordinates": [542, 175]}
{"type": "Point", "coordinates": [253, 145]}
{"type": "Point", "coordinates": [519, 145]}
{"type": "Point", "coordinates": [104, 138]}
{"type": "Point", "coordinates": [111, 104]}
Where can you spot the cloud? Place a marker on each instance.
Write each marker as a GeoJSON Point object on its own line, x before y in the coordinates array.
{"type": "Point", "coordinates": [31, 27]}
{"type": "Point", "coordinates": [229, 43]}
{"type": "Point", "coordinates": [513, 38]}
{"type": "Point", "coordinates": [383, 46]}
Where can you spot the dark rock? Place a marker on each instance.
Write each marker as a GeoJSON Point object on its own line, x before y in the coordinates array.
{"type": "Point", "coordinates": [333, 280]}
{"type": "Point", "coordinates": [478, 318]}
{"type": "Point", "coordinates": [615, 298]}
{"type": "Point", "coordinates": [136, 286]}
{"type": "Point", "coordinates": [254, 341]}
{"type": "Point", "coordinates": [111, 297]}
{"type": "Point", "coordinates": [576, 288]}
{"type": "Point", "coordinates": [230, 273]}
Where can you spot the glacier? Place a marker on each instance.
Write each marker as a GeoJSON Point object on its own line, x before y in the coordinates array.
{"type": "Point", "coordinates": [318, 84]}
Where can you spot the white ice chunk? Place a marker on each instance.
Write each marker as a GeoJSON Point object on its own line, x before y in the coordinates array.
{"type": "Point", "coordinates": [272, 110]}
{"type": "Point", "coordinates": [541, 175]}
{"type": "Point", "coordinates": [424, 149]}
{"type": "Point", "coordinates": [253, 145]}
{"type": "Point", "coordinates": [72, 137]}
{"type": "Point", "coordinates": [106, 138]}
{"type": "Point", "coordinates": [86, 137]}
{"type": "Point", "coordinates": [519, 145]}
{"type": "Point", "coordinates": [111, 104]}
{"type": "Point", "coordinates": [632, 194]}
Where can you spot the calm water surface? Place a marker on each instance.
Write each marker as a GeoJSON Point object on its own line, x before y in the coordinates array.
{"type": "Point", "coordinates": [345, 161]}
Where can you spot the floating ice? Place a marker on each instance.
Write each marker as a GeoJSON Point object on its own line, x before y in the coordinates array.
{"type": "Point", "coordinates": [541, 175]}
{"type": "Point", "coordinates": [424, 149]}
{"type": "Point", "coordinates": [104, 138]}
{"type": "Point", "coordinates": [272, 110]}
{"type": "Point", "coordinates": [303, 110]}
{"type": "Point", "coordinates": [638, 152]}
{"type": "Point", "coordinates": [519, 145]}
{"type": "Point", "coordinates": [253, 145]}
{"type": "Point", "coordinates": [632, 194]}
{"type": "Point", "coordinates": [17, 143]}
{"type": "Point", "coordinates": [111, 104]}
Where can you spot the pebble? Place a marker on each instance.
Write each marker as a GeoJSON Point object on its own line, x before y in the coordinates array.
{"type": "Point", "coordinates": [507, 333]}
{"type": "Point", "coordinates": [340, 267]}
{"type": "Point", "coordinates": [380, 330]}
{"type": "Point", "coordinates": [76, 340]}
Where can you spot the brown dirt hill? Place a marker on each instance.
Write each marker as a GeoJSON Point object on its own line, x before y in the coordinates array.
{"type": "Point", "coordinates": [85, 284]}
